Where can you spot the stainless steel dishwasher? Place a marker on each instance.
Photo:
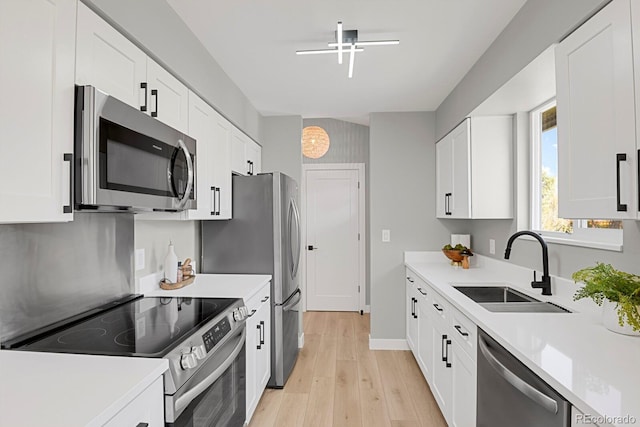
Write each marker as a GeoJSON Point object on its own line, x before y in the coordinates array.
{"type": "Point", "coordinates": [510, 394]}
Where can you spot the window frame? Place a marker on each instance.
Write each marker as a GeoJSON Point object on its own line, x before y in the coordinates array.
{"type": "Point", "coordinates": [608, 239]}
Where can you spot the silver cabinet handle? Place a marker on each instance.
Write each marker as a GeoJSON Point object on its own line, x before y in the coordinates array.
{"type": "Point", "coordinates": [518, 383]}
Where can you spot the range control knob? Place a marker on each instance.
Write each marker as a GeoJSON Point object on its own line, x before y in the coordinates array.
{"type": "Point", "coordinates": [199, 351]}
{"type": "Point", "coordinates": [240, 313]}
{"type": "Point", "coordinates": [188, 361]}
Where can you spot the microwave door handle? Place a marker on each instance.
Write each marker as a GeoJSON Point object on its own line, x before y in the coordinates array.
{"type": "Point", "coordinates": [187, 191]}
{"type": "Point", "coordinates": [183, 401]}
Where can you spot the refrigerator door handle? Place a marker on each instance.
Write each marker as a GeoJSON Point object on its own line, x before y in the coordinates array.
{"type": "Point", "coordinates": [292, 300]}
{"type": "Point", "coordinates": [294, 220]}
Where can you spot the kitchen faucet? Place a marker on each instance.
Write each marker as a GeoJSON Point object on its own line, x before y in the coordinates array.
{"type": "Point", "coordinates": [545, 283]}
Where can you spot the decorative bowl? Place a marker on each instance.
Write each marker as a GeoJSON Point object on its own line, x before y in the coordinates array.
{"type": "Point", "coordinates": [453, 254]}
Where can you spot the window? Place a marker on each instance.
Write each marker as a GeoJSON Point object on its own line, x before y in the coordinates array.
{"type": "Point", "coordinates": [602, 233]}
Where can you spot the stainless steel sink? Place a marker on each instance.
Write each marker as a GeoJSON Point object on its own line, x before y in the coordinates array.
{"type": "Point", "coordinates": [503, 299]}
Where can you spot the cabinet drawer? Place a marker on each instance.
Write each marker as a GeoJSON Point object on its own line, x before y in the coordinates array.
{"type": "Point", "coordinates": [439, 308]}
{"type": "Point", "coordinates": [262, 296]}
{"type": "Point", "coordinates": [464, 332]}
{"type": "Point", "coordinates": [146, 409]}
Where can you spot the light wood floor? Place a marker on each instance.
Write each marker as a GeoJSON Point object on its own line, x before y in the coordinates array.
{"type": "Point", "coordinates": [338, 381]}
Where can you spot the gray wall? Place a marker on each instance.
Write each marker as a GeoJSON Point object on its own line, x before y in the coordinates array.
{"type": "Point", "coordinates": [349, 144]}
{"type": "Point", "coordinates": [160, 32]}
{"type": "Point", "coordinates": [538, 25]}
{"type": "Point", "coordinates": [403, 193]}
{"type": "Point", "coordinates": [154, 237]}
{"type": "Point", "coordinates": [281, 145]}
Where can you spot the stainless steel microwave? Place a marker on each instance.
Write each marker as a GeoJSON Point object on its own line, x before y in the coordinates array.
{"type": "Point", "coordinates": [127, 160]}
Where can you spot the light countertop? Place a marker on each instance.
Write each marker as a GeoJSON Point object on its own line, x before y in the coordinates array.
{"type": "Point", "coordinates": [51, 389]}
{"type": "Point", "coordinates": [214, 286]}
{"type": "Point", "coordinates": [597, 370]}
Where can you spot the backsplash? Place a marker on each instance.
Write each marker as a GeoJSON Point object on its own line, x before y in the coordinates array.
{"type": "Point", "coordinates": [54, 271]}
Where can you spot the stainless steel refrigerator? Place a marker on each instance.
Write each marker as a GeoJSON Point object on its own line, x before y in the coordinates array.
{"type": "Point", "coordinates": [263, 238]}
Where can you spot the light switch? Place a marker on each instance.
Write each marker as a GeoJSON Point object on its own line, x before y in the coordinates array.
{"type": "Point", "coordinates": [492, 246]}
{"type": "Point", "coordinates": [386, 236]}
{"type": "Point", "coordinates": [139, 259]}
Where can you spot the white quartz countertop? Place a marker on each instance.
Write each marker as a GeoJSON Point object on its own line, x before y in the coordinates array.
{"type": "Point", "coordinates": [65, 390]}
{"type": "Point", "coordinates": [217, 286]}
{"type": "Point", "coordinates": [597, 370]}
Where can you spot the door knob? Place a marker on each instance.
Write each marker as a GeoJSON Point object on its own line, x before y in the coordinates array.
{"type": "Point", "coordinates": [310, 247]}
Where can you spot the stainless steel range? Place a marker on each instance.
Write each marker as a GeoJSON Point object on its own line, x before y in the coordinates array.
{"type": "Point", "coordinates": [202, 338]}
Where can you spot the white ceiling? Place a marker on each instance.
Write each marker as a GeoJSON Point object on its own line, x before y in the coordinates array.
{"type": "Point", "coordinates": [255, 43]}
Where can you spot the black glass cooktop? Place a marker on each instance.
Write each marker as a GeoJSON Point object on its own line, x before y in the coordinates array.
{"type": "Point", "coordinates": [147, 327]}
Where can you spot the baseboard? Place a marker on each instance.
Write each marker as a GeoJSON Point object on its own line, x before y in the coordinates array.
{"type": "Point", "coordinates": [301, 340]}
{"type": "Point", "coordinates": [382, 344]}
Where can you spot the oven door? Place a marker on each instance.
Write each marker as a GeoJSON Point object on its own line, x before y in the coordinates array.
{"type": "Point", "coordinates": [215, 395]}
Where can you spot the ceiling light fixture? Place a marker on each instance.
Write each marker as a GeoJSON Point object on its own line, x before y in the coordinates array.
{"type": "Point", "coordinates": [315, 142]}
{"type": "Point", "coordinates": [347, 40]}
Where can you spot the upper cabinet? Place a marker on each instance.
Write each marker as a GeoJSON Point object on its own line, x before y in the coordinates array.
{"type": "Point", "coordinates": [246, 154]}
{"type": "Point", "coordinates": [597, 118]}
{"type": "Point", "coordinates": [37, 52]}
{"type": "Point", "coordinates": [474, 170]}
{"type": "Point", "coordinates": [213, 182]}
{"type": "Point", "coordinates": [109, 61]}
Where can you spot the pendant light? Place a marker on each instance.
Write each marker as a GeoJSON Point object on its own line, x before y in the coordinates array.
{"type": "Point", "coordinates": [315, 142]}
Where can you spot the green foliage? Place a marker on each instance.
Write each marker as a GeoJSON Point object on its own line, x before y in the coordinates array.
{"type": "Point", "coordinates": [549, 206]}
{"type": "Point", "coordinates": [604, 281]}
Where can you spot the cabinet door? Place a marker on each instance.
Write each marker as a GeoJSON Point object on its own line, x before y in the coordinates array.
{"type": "Point", "coordinates": [263, 365]}
{"type": "Point", "coordinates": [37, 50]}
{"type": "Point", "coordinates": [442, 386]}
{"type": "Point", "coordinates": [168, 99]}
{"type": "Point", "coordinates": [108, 60]}
{"type": "Point", "coordinates": [463, 397]}
{"type": "Point", "coordinates": [444, 172]}
{"type": "Point", "coordinates": [238, 155]}
{"type": "Point", "coordinates": [252, 340]}
{"type": "Point", "coordinates": [145, 410]}
{"type": "Point", "coordinates": [635, 16]}
{"type": "Point", "coordinates": [460, 199]}
{"type": "Point", "coordinates": [254, 155]}
{"type": "Point", "coordinates": [425, 339]}
{"type": "Point", "coordinates": [221, 177]}
{"type": "Point", "coordinates": [596, 113]}
{"type": "Point", "coordinates": [411, 316]}
{"type": "Point", "coordinates": [202, 121]}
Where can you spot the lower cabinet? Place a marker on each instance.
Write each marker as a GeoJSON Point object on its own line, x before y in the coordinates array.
{"type": "Point", "coordinates": [147, 409]}
{"type": "Point", "coordinates": [443, 342]}
{"type": "Point", "coordinates": [258, 347]}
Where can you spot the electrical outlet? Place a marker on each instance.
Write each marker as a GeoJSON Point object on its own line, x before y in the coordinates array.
{"type": "Point", "coordinates": [492, 246]}
{"type": "Point", "coordinates": [139, 254]}
{"type": "Point", "coordinates": [386, 236]}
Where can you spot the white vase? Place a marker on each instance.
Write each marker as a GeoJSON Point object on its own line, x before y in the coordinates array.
{"type": "Point", "coordinates": [610, 319]}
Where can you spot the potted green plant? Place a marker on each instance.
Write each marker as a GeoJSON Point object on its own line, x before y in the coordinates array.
{"type": "Point", "coordinates": [616, 291]}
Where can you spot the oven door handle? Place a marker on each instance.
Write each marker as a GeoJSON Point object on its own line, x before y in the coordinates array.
{"type": "Point", "coordinates": [183, 401]}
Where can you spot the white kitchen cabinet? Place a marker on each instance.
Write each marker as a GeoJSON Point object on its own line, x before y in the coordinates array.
{"type": "Point", "coordinates": [147, 409]}
{"type": "Point", "coordinates": [168, 99]}
{"type": "Point", "coordinates": [246, 154]}
{"type": "Point", "coordinates": [411, 316]}
{"type": "Point", "coordinates": [37, 53]}
{"type": "Point", "coordinates": [258, 347]}
{"type": "Point", "coordinates": [112, 63]}
{"type": "Point", "coordinates": [445, 348]}
{"type": "Point", "coordinates": [109, 61]}
{"type": "Point", "coordinates": [596, 117]}
{"type": "Point", "coordinates": [213, 180]}
{"type": "Point", "coordinates": [635, 30]}
{"type": "Point", "coordinates": [474, 170]}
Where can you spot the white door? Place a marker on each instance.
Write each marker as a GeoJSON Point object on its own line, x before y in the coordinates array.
{"type": "Point", "coordinates": [460, 201]}
{"type": "Point", "coordinates": [238, 155]}
{"type": "Point", "coordinates": [444, 171]}
{"type": "Point", "coordinates": [37, 40]}
{"type": "Point", "coordinates": [168, 99]}
{"type": "Point", "coordinates": [332, 252]}
{"type": "Point", "coordinates": [221, 173]}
